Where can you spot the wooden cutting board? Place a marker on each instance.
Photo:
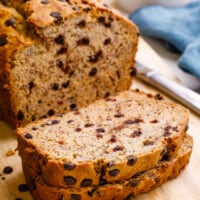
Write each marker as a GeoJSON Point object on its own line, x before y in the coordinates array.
{"type": "Point", "coordinates": [185, 187]}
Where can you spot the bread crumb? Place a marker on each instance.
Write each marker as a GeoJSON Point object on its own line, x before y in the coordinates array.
{"type": "Point", "coordinates": [10, 152]}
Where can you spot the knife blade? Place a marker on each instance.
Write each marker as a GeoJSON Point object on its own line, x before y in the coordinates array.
{"type": "Point", "coordinates": [183, 95]}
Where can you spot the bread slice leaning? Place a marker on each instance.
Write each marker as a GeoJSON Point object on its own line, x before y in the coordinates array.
{"type": "Point", "coordinates": [126, 190]}
{"type": "Point", "coordinates": [57, 56]}
{"type": "Point", "coordinates": [110, 140]}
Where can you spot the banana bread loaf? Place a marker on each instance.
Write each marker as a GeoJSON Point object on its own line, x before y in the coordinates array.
{"type": "Point", "coordinates": [142, 182]}
{"type": "Point", "coordinates": [107, 141]}
{"type": "Point", "coordinates": [57, 56]}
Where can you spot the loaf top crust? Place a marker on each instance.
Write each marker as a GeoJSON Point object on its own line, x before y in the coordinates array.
{"type": "Point", "coordinates": [54, 11]}
{"type": "Point", "coordinates": [115, 132]}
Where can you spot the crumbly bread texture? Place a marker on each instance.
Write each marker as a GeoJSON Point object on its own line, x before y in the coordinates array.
{"type": "Point", "coordinates": [142, 182]}
{"type": "Point", "coordinates": [57, 56]}
{"type": "Point", "coordinates": [110, 140]}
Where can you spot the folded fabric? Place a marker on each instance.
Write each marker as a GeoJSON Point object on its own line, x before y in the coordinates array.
{"type": "Point", "coordinates": [178, 26]}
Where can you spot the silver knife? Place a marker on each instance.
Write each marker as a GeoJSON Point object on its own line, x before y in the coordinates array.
{"type": "Point", "coordinates": [187, 97]}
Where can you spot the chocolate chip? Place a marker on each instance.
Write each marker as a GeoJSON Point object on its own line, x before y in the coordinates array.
{"type": "Point", "coordinates": [113, 139]}
{"type": "Point", "coordinates": [136, 133]}
{"type": "Point", "coordinates": [158, 97]}
{"type": "Point", "coordinates": [175, 128]}
{"type": "Point", "coordinates": [55, 86]}
{"type": "Point", "coordinates": [7, 170]}
{"type": "Point", "coordinates": [118, 148]}
{"type": "Point", "coordinates": [34, 128]}
{"type": "Point", "coordinates": [54, 122]}
{"type": "Point", "coordinates": [62, 50]}
{"type": "Point", "coordinates": [118, 74]}
{"type": "Point", "coordinates": [101, 19]}
{"type": "Point", "coordinates": [107, 94]}
{"type": "Point", "coordinates": [75, 8]}
{"type": "Point", "coordinates": [75, 197]}
{"type": "Point", "coordinates": [154, 121]}
{"type": "Point", "coordinates": [87, 9]}
{"type": "Point", "coordinates": [135, 121]}
{"type": "Point", "coordinates": [99, 136]}
{"type": "Point", "coordinates": [69, 180]}
{"type": "Point", "coordinates": [150, 95]}
{"type": "Point", "coordinates": [18, 198]}
{"type": "Point", "coordinates": [133, 72]}
{"type": "Point", "coordinates": [57, 16]}
{"type": "Point", "coordinates": [131, 160]}
{"type": "Point", "coordinates": [82, 23]}
{"type": "Point", "coordinates": [33, 118]}
{"type": "Point", "coordinates": [134, 183]}
{"type": "Point", "coordinates": [118, 115]}
{"type": "Point", "coordinates": [148, 142]}
{"type": "Point", "coordinates": [88, 125]}
{"type": "Point", "coordinates": [78, 129]}
{"type": "Point", "coordinates": [44, 1]}
{"type": "Point", "coordinates": [114, 172]}
{"type": "Point", "coordinates": [60, 40]}
{"type": "Point", "coordinates": [107, 24]}
{"type": "Point", "coordinates": [20, 115]}
{"type": "Point", "coordinates": [167, 128]}
{"type": "Point", "coordinates": [31, 85]}
{"type": "Point", "coordinates": [69, 166]}
{"type": "Point", "coordinates": [83, 41]}
{"type": "Point", "coordinates": [60, 64]}
{"type": "Point", "coordinates": [28, 136]}
{"type": "Point", "coordinates": [3, 178]}
{"type": "Point", "coordinates": [130, 196]}
{"type": "Point", "coordinates": [10, 22]}
{"type": "Point", "coordinates": [70, 121]}
{"type": "Point", "coordinates": [92, 192]}
{"type": "Point", "coordinates": [86, 183]}
{"type": "Point", "coordinates": [164, 154]}
{"type": "Point", "coordinates": [187, 127]}
{"type": "Point", "coordinates": [95, 58]}
{"type": "Point", "coordinates": [51, 112]}
{"type": "Point", "coordinates": [73, 106]}
{"type": "Point", "coordinates": [93, 72]}
{"type": "Point", "coordinates": [3, 39]}
{"type": "Point", "coordinates": [100, 130]}
{"type": "Point", "coordinates": [66, 1]}
{"type": "Point", "coordinates": [66, 84]}
{"type": "Point", "coordinates": [23, 188]}
{"type": "Point", "coordinates": [107, 41]}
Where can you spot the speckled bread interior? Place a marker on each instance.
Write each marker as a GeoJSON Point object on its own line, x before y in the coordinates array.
{"type": "Point", "coordinates": [107, 141]}
{"type": "Point", "coordinates": [63, 58]}
{"type": "Point", "coordinates": [142, 182]}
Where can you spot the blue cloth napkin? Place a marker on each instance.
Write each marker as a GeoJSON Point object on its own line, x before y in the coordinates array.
{"type": "Point", "coordinates": [178, 26]}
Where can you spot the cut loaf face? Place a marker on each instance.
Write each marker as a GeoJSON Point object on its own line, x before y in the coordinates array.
{"type": "Point", "coordinates": [110, 140]}
{"type": "Point", "coordinates": [122, 190]}
{"type": "Point", "coordinates": [58, 56]}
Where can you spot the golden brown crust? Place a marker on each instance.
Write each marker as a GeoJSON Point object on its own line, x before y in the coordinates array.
{"type": "Point", "coordinates": [11, 41]}
{"type": "Point", "coordinates": [142, 182]}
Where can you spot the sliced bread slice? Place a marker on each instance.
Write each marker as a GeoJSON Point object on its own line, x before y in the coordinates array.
{"type": "Point", "coordinates": [108, 141]}
{"type": "Point", "coordinates": [122, 190]}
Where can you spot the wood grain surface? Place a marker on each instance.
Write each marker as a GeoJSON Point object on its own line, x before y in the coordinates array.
{"type": "Point", "coordinates": [185, 187]}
